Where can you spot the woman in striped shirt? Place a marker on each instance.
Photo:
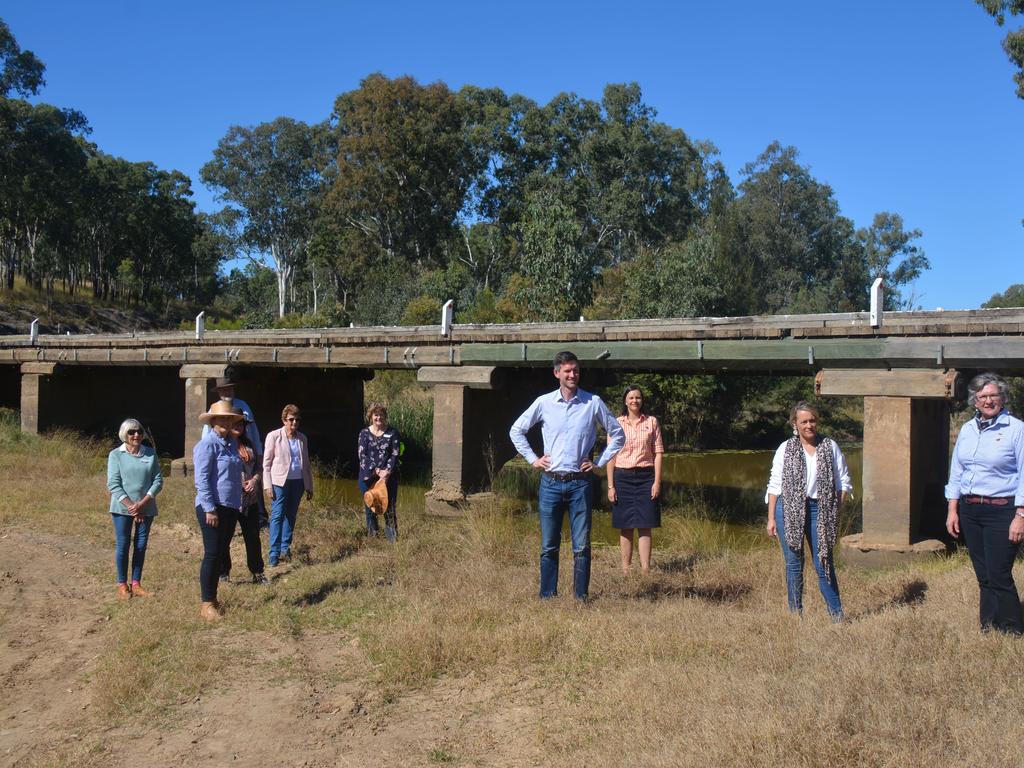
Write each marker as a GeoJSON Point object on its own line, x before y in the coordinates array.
{"type": "Point", "coordinates": [634, 480]}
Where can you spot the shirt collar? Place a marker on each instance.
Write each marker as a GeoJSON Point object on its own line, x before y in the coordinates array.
{"type": "Point", "coordinates": [577, 398]}
{"type": "Point", "coordinates": [1002, 418]}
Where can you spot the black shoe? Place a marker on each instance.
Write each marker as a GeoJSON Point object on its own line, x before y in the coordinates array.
{"type": "Point", "coordinates": [259, 578]}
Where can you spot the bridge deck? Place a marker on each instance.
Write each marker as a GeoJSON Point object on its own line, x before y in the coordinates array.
{"type": "Point", "coordinates": [963, 338]}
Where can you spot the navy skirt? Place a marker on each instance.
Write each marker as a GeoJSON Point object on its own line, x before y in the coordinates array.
{"type": "Point", "coordinates": [635, 508]}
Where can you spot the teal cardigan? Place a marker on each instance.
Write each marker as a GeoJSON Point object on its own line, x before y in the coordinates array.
{"type": "Point", "coordinates": [133, 476]}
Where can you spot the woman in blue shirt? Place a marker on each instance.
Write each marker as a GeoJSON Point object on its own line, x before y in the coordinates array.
{"type": "Point", "coordinates": [134, 480]}
{"type": "Point", "coordinates": [218, 477]}
{"type": "Point", "coordinates": [985, 497]}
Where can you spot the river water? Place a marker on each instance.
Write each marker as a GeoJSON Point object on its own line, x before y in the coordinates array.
{"type": "Point", "coordinates": [721, 489]}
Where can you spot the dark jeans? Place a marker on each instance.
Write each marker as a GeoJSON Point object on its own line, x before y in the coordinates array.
{"type": "Point", "coordinates": [390, 514]}
{"type": "Point", "coordinates": [250, 525]}
{"type": "Point", "coordinates": [555, 498]}
{"type": "Point", "coordinates": [123, 534]}
{"type": "Point", "coordinates": [215, 541]}
{"type": "Point", "coordinates": [986, 529]}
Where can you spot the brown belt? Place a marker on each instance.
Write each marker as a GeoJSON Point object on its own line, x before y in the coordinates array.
{"type": "Point", "coordinates": [995, 501]}
{"type": "Point", "coordinates": [566, 477]}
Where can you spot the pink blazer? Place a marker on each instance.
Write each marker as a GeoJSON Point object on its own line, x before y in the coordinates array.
{"type": "Point", "coordinates": [277, 458]}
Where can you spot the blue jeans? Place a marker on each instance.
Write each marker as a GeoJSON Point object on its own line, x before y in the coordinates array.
{"type": "Point", "coordinates": [795, 563]}
{"type": "Point", "coordinates": [282, 517]}
{"type": "Point", "coordinates": [123, 532]}
{"type": "Point", "coordinates": [555, 497]}
{"type": "Point", "coordinates": [390, 515]}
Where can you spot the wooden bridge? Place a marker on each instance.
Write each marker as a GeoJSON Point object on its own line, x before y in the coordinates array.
{"type": "Point", "coordinates": [909, 368]}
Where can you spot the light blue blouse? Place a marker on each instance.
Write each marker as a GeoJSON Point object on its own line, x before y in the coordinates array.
{"type": "Point", "coordinates": [989, 462]}
{"type": "Point", "coordinates": [134, 477]}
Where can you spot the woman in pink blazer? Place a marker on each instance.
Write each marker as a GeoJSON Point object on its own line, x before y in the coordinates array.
{"type": "Point", "coordinates": [286, 474]}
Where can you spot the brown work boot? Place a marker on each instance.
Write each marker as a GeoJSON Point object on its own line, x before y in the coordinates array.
{"type": "Point", "coordinates": [138, 591]}
{"type": "Point", "coordinates": [124, 592]}
{"type": "Point", "coordinates": [210, 612]}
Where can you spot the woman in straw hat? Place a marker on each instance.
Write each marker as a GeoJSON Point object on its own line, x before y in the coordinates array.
{"type": "Point", "coordinates": [379, 449]}
{"type": "Point", "coordinates": [218, 477]}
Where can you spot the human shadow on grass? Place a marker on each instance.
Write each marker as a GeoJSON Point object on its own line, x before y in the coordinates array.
{"type": "Point", "coordinates": [910, 594]}
{"type": "Point", "coordinates": [655, 589]}
{"type": "Point", "coordinates": [325, 590]}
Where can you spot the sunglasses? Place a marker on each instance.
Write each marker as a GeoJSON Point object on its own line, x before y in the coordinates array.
{"type": "Point", "coordinates": [291, 418]}
{"type": "Point", "coordinates": [133, 432]}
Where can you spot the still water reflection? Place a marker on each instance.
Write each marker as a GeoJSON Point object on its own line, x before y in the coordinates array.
{"type": "Point", "coordinates": [724, 487]}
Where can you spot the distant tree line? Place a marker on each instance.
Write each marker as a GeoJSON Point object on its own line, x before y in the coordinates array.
{"type": "Point", "coordinates": [73, 215]}
{"type": "Point", "coordinates": [410, 194]}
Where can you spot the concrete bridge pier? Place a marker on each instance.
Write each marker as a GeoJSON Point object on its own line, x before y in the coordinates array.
{"type": "Point", "coordinates": [474, 407]}
{"type": "Point", "coordinates": [906, 459]}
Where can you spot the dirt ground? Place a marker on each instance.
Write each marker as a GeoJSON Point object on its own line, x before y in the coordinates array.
{"type": "Point", "coordinates": [53, 612]}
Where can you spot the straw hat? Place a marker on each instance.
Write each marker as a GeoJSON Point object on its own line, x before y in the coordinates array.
{"type": "Point", "coordinates": [377, 497]}
{"type": "Point", "coordinates": [221, 408]}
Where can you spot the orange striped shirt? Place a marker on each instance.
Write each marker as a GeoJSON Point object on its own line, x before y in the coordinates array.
{"type": "Point", "coordinates": [643, 441]}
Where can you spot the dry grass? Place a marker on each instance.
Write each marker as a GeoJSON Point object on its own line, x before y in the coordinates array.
{"type": "Point", "coordinates": [700, 664]}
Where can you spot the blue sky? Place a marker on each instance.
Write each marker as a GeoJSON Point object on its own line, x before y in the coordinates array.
{"type": "Point", "coordinates": [900, 105]}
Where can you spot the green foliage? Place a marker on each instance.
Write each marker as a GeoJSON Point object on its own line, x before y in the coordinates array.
{"type": "Point", "coordinates": [1013, 43]}
{"type": "Point", "coordinates": [890, 255]}
{"type": "Point", "coordinates": [423, 310]}
{"type": "Point", "coordinates": [677, 280]}
{"type": "Point", "coordinates": [271, 176]}
{"type": "Point", "coordinates": [20, 71]}
{"type": "Point", "coordinates": [1011, 297]}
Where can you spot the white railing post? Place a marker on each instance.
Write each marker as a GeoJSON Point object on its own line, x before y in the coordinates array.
{"type": "Point", "coordinates": [447, 311]}
{"type": "Point", "coordinates": [200, 325]}
{"type": "Point", "coordinates": [33, 332]}
{"type": "Point", "coordinates": [876, 303]}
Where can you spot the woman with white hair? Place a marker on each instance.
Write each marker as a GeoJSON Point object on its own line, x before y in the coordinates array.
{"type": "Point", "coordinates": [134, 480]}
{"type": "Point", "coordinates": [985, 500]}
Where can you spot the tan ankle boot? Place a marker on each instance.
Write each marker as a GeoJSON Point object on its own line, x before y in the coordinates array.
{"type": "Point", "coordinates": [210, 612]}
{"type": "Point", "coordinates": [124, 592]}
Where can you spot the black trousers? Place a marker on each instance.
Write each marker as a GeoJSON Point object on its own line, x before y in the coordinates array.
{"type": "Point", "coordinates": [215, 541]}
{"type": "Point", "coordinates": [986, 529]}
{"type": "Point", "coordinates": [249, 523]}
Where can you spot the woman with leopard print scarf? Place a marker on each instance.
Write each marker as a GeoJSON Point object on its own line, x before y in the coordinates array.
{"type": "Point", "coordinates": [808, 484]}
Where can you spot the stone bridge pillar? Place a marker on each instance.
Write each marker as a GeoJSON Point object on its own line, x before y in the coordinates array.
{"type": "Point", "coordinates": [906, 460]}
{"type": "Point", "coordinates": [199, 393]}
{"type": "Point", "coordinates": [474, 407]}
{"type": "Point", "coordinates": [35, 383]}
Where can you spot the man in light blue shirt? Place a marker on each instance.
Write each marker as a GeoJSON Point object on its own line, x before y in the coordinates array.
{"type": "Point", "coordinates": [569, 418]}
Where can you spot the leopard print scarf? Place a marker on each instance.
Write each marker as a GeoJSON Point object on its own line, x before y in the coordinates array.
{"type": "Point", "coordinates": [794, 497]}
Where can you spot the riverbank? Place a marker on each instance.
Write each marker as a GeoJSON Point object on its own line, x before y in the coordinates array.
{"type": "Point", "coordinates": [437, 652]}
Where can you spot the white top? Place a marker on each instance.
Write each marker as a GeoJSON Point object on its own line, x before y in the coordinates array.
{"type": "Point", "coordinates": [842, 473]}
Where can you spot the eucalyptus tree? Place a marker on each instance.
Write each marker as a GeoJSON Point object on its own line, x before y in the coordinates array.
{"type": "Point", "coordinates": [21, 71]}
{"type": "Point", "coordinates": [404, 166]}
{"type": "Point", "coordinates": [785, 247]}
{"type": "Point", "coordinates": [891, 254]}
{"type": "Point", "coordinates": [271, 176]}
{"type": "Point", "coordinates": [1013, 43]}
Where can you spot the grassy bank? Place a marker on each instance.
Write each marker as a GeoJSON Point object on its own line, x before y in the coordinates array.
{"type": "Point", "coordinates": [700, 664]}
